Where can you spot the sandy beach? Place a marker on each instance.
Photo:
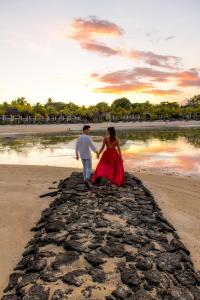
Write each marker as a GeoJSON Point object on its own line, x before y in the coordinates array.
{"type": "Point", "coordinates": [21, 207]}
{"type": "Point", "coordinates": [7, 130]}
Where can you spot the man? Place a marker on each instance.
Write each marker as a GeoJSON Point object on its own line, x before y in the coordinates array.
{"type": "Point", "coordinates": [84, 145]}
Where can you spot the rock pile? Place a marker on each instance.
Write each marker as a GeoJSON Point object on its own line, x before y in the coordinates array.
{"type": "Point", "coordinates": [112, 243]}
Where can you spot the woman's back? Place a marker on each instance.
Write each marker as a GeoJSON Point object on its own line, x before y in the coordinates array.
{"type": "Point", "coordinates": [110, 144]}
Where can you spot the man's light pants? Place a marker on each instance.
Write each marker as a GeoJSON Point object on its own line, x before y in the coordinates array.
{"type": "Point", "coordinates": [87, 168]}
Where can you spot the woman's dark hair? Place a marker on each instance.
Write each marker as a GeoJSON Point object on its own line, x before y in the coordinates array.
{"type": "Point", "coordinates": [112, 133]}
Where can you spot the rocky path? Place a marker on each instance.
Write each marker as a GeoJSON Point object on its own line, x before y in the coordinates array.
{"type": "Point", "coordinates": [113, 243]}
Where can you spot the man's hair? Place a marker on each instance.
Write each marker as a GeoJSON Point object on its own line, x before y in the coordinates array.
{"type": "Point", "coordinates": [85, 127]}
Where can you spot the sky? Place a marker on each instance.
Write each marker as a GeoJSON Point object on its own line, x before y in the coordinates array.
{"type": "Point", "coordinates": [87, 51]}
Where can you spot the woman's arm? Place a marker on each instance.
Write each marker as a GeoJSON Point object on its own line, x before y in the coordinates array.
{"type": "Point", "coordinates": [118, 148]}
{"type": "Point", "coordinates": [103, 146]}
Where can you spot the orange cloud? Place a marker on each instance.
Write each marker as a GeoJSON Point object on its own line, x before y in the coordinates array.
{"type": "Point", "coordinates": [86, 30]}
{"type": "Point", "coordinates": [99, 48]}
{"type": "Point", "coordinates": [188, 78]}
{"type": "Point", "coordinates": [130, 75]}
{"type": "Point", "coordinates": [123, 88]}
{"type": "Point", "coordinates": [157, 92]}
{"type": "Point", "coordinates": [91, 27]}
{"type": "Point", "coordinates": [165, 61]}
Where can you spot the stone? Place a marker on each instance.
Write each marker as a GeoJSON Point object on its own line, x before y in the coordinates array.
{"type": "Point", "coordinates": [113, 249]}
{"type": "Point", "coordinates": [58, 295]}
{"type": "Point", "coordinates": [95, 259]}
{"type": "Point", "coordinates": [98, 275]}
{"type": "Point", "coordinates": [72, 278]}
{"type": "Point", "coordinates": [13, 281]}
{"type": "Point", "coordinates": [54, 226]}
{"type": "Point", "coordinates": [143, 263]}
{"type": "Point", "coordinates": [142, 295]}
{"type": "Point", "coordinates": [73, 245]}
{"type": "Point", "coordinates": [10, 297]}
{"type": "Point", "coordinates": [178, 245]}
{"type": "Point", "coordinates": [178, 293]}
{"type": "Point", "coordinates": [37, 265]}
{"type": "Point", "coordinates": [130, 277]}
{"type": "Point", "coordinates": [28, 279]}
{"type": "Point", "coordinates": [66, 258]}
{"type": "Point", "coordinates": [37, 292]}
{"type": "Point", "coordinates": [186, 277]}
{"type": "Point", "coordinates": [168, 262]}
{"type": "Point", "coordinates": [122, 292]}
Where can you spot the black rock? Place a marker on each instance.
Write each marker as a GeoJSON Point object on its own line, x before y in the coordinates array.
{"type": "Point", "coordinates": [122, 292]}
{"type": "Point", "coordinates": [54, 226]}
{"type": "Point", "coordinates": [37, 265]}
{"type": "Point", "coordinates": [143, 263]}
{"type": "Point", "coordinates": [98, 275]}
{"type": "Point", "coordinates": [95, 259]}
{"type": "Point", "coordinates": [186, 277]}
{"type": "Point", "coordinates": [130, 277]}
{"type": "Point", "coordinates": [49, 276]}
{"type": "Point", "coordinates": [72, 278]}
{"type": "Point", "coordinates": [195, 292]}
{"type": "Point", "coordinates": [178, 245]}
{"type": "Point", "coordinates": [168, 262]}
{"type": "Point", "coordinates": [58, 295]}
{"type": "Point", "coordinates": [178, 293]}
{"type": "Point", "coordinates": [10, 297]}
{"type": "Point", "coordinates": [114, 249]}
{"type": "Point", "coordinates": [37, 292]}
{"type": "Point", "coordinates": [13, 281]}
{"type": "Point", "coordinates": [142, 295]}
{"type": "Point", "coordinates": [73, 245]}
{"type": "Point", "coordinates": [27, 279]}
{"type": "Point", "coordinates": [66, 258]}
{"type": "Point", "coordinates": [158, 279]}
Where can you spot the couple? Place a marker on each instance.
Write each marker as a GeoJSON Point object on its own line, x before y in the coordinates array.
{"type": "Point", "coordinates": [110, 165]}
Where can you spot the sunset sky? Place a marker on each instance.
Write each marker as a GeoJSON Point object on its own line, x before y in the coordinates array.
{"type": "Point", "coordinates": [88, 51]}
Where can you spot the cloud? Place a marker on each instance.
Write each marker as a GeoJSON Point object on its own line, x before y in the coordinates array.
{"type": "Point", "coordinates": [123, 88]}
{"type": "Point", "coordinates": [169, 38]}
{"type": "Point", "coordinates": [99, 48]}
{"type": "Point", "coordinates": [153, 59]}
{"type": "Point", "coordinates": [185, 78]}
{"type": "Point", "coordinates": [157, 92]}
{"type": "Point", "coordinates": [133, 74]}
{"type": "Point", "coordinates": [86, 29]}
{"type": "Point", "coordinates": [188, 78]}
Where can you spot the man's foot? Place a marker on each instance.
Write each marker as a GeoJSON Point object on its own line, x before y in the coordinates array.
{"type": "Point", "coordinates": [88, 184]}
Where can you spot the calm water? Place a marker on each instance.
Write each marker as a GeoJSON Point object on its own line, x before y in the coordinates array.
{"type": "Point", "coordinates": [168, 151]}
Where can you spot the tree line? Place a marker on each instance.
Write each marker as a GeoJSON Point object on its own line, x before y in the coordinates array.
{"type": "Point", "coordinates": [120, 109]}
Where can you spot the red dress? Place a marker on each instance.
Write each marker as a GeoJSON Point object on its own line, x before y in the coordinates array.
{"type": "Point", "coordinates": [110, 166]}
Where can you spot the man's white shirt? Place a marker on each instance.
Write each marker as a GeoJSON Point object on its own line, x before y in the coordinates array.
{"type": "Point", "coordinates": [84, 145]}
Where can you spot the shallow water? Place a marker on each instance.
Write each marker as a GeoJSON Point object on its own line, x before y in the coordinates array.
{"type": "Point", "coordinates": [166, 151]}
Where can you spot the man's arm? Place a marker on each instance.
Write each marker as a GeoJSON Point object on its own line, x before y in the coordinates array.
{"type": "Point", "coordinates": [77, 149]}
{"type": "Point", "coordinates": [92, 147]}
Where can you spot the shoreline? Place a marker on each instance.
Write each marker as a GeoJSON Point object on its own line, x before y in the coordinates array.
{"type": "Point", "coordinates": [10, 130]}
{"type": "Point", "coordinates": [21, 186]}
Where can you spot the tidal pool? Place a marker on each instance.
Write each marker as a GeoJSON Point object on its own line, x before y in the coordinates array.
{"type": "Point", "coordinates": [167, 151]}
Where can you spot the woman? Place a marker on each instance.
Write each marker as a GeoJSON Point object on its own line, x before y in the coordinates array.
{"type": "Point", "coordinates": [110, 165]}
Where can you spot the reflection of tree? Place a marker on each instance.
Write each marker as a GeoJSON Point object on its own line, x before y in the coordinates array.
{"type": "Point", "coordinates": [192, 135]}
{"type": "Point", "coordinates": [22, 144]}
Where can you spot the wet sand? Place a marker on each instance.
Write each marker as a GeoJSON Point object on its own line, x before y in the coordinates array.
{"type": "Point", "coordinates": [7, 130]}
{"type": "Point", "coordinates": [20, 187]}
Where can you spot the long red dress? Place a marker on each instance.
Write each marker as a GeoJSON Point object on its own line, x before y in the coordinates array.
{"type": "Point", "coordinates": [110, 165]}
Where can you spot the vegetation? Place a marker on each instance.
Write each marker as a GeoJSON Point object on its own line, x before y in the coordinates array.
{"type": "Point", "coordinates": [120, 109]}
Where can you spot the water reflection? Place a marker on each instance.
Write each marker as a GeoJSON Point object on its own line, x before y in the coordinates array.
{"type": "Point", "coordinates": [143, 150]}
